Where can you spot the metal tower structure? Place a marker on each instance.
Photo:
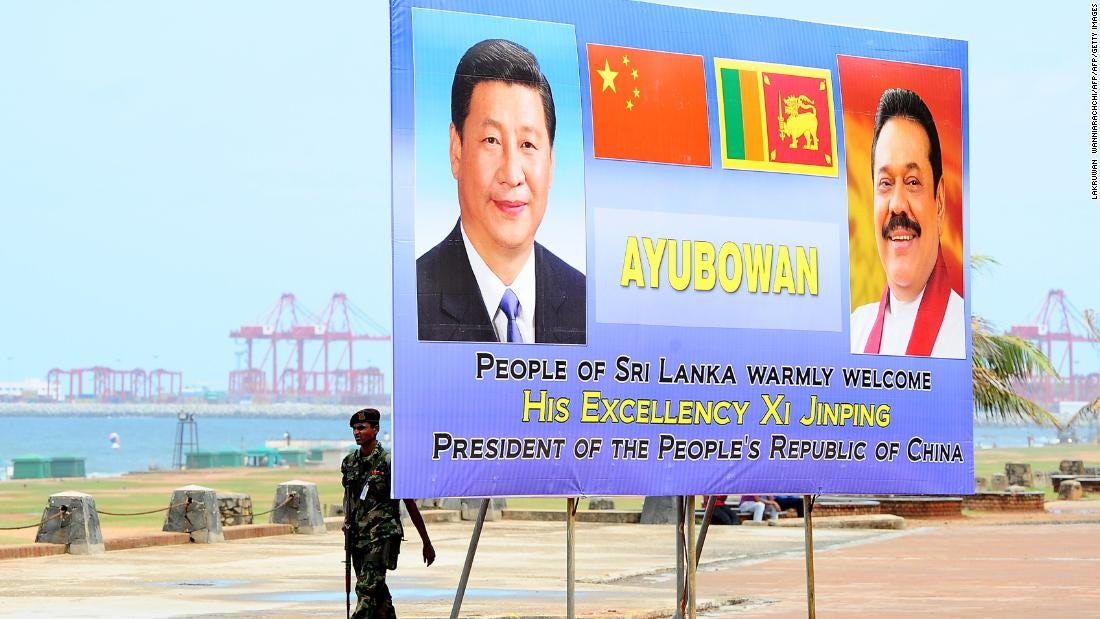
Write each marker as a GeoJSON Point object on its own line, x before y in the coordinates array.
{"type": "Point", "coordinates": [311, 357]}
{"type": "Point", "coordinates": [1056, 329]}
{"type": "Point", "coordinates": [187, 439]}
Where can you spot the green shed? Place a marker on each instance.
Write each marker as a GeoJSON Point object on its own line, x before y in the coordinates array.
{"type": "Point", "coordinates": [66, 466]}
{"type": "Point", "coordinates": [293, 457]}
{"type": "Point", "coordinates": [30, 467]}
{"type": "Point", "coordinates": [263, 456]}
{"type": "Point", "coordinates": [200, 460]}
{"type": "Point", "coordinates": [228, 458]}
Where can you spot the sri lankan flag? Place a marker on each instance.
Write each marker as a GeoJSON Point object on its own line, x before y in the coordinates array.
{"type": "Point", "coordinates": [776, 118]}
{"type": "Point", "coordinates": [649, 105]}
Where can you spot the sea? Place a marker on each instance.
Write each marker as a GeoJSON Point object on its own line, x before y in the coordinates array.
{"type": "Point", "coordinates": [114, 445]}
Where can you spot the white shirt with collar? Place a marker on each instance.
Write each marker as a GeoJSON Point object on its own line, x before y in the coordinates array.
{"type": "Point", "coordinates": [897, 327]}
{"type": "Point", "coordinates": [492, 290]}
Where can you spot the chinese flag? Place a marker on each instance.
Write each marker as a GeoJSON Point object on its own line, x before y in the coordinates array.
{"type": "Point", "coordinates": [648, 106]}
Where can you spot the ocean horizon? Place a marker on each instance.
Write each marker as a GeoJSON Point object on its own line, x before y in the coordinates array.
{"type": "Point", "coordinates": [112, 444]}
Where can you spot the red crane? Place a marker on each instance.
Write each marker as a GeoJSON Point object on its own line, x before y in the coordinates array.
{"type": "Point", "coordinates": [110, 385]}
{"type": "Point", "coordinates": [1057, 326]}
{"type": "Point", "coordinates": [164, 385]}
{"type": "Point", "coordinates": [327, 341]}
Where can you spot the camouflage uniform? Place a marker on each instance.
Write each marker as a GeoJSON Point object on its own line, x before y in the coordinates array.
{"type": "Point", "coordinates": [376, 526]}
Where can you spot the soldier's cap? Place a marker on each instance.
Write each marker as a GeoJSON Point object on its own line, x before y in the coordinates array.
{"type": "Point", "coordinates": [367, 415]}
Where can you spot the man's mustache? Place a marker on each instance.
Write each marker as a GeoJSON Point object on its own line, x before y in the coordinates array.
{"type": "Point", "coordinates": [900, 220]}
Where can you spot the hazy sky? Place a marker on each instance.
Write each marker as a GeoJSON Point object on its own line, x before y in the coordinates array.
{"type": "Point", "coordinates": [168, 170]}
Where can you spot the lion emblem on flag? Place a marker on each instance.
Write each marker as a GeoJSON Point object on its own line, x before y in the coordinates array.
{"type": "Point", "coordinates": [800, 121]}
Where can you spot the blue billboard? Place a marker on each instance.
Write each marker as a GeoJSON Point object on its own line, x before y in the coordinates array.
{"type": "Point", "coordinates": [645, 250]}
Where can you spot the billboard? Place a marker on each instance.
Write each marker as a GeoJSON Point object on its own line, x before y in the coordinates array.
{"type": "Point", "coordinates": [649, 250]}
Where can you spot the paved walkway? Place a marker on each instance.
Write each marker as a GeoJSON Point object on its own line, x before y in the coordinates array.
{"type": "Point", "coordinates": [934, 569]}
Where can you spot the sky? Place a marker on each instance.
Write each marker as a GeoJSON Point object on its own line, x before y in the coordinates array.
{"type": "Point", "coordinates": [168, 170]}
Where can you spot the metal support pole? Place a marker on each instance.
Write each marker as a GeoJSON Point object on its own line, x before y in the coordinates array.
{"type": "Point", "coordinates": [692, 558]}
{"type": "Point", "coordinates": [679, 558]}
{"type": "Point", "coordinates": [474, 537]}
{"type": "Point", "coordinates": [710, 503]}
{"type": "Point", "coordinates": [570, 558]}
{"type": "Point", "coordinates": [808, 527]}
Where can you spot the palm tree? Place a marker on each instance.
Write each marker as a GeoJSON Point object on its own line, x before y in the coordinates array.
{"type": "Point", "coordinates": [1001, 362]}
{"type": "Point", "coordinates": [1092, 409]}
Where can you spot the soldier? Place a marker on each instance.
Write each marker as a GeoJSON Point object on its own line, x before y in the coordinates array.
{"type": "Point", "coordinates": [372, 519]}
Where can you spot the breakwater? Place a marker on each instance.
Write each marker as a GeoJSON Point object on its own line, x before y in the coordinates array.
{"type": "Point", "coordinates": [277, 410]}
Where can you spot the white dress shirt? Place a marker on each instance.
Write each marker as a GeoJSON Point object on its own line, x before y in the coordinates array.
{"type": "Point", "coordinates": [492, 290]}
{"type": "Point", "coordinates": [897, 327]}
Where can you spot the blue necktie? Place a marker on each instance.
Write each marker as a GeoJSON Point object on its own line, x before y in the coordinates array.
{"type": "Point", "coordinates": [509, 304]}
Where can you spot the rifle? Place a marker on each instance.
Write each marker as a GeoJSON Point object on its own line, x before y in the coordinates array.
{"type": "Point", "coordinates": [347, 553]}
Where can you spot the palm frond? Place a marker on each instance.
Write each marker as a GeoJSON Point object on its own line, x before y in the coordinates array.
{"type": "Point", "coordinates": [1090, 410]}
{"type": "Point", "coordinates": [980, 262]}
{"type": "Point", "coordinates": [1092, 323]}
{"type": "Point", "coordinates": [1000, 363]}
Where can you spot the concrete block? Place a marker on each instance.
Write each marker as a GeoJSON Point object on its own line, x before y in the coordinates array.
{"type": "Point", "coordinates": [470, 508]}
{"type": "Point", "coordinates": [234, 508]}
{"type": "Point", "coordinates": [1019, 474]}
{"type": "Point", "coordinates": [298, 504]}
{"type": "Point", "coordinates": [1070, 490]}
{"type": "Point", "coordinates": [194, 510]}
{"type": "Point", "coordinates": [1039, 479]}
{"type": "Point", "coordinates": [71, 518]}
{"type": "Point", "coordinates": [999, 482]}
{"type": "Point", "coordinates": [1072, 467]}
{"type": "Point", "coordinates": [659, 510]}
{"type": "Point", "coordinates": [601, 502]}
{"type": "Point", "coordinates": [981, 484]}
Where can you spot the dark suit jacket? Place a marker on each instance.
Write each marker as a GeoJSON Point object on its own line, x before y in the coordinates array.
{"type": "Point", "coordinates": [449, 306]}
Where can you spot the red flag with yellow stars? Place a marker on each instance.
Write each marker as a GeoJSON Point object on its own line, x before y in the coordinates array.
{"type": "Point", "coordinates": [648, 106]}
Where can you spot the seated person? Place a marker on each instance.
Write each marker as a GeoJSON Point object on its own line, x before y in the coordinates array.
{"type": "Point", "coordinates": [723, 512]}
{"type": "Point", "coordinates": [791, 502]}
{"type": "Point", "coordinates": [758, 505]}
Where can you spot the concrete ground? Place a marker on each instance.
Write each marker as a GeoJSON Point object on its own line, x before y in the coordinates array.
{"type": "Point", "coordinates": [1005, 566]}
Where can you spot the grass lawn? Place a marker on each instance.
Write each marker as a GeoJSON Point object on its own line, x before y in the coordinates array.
{"type": "Point", "coordinates": [22, 502]}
